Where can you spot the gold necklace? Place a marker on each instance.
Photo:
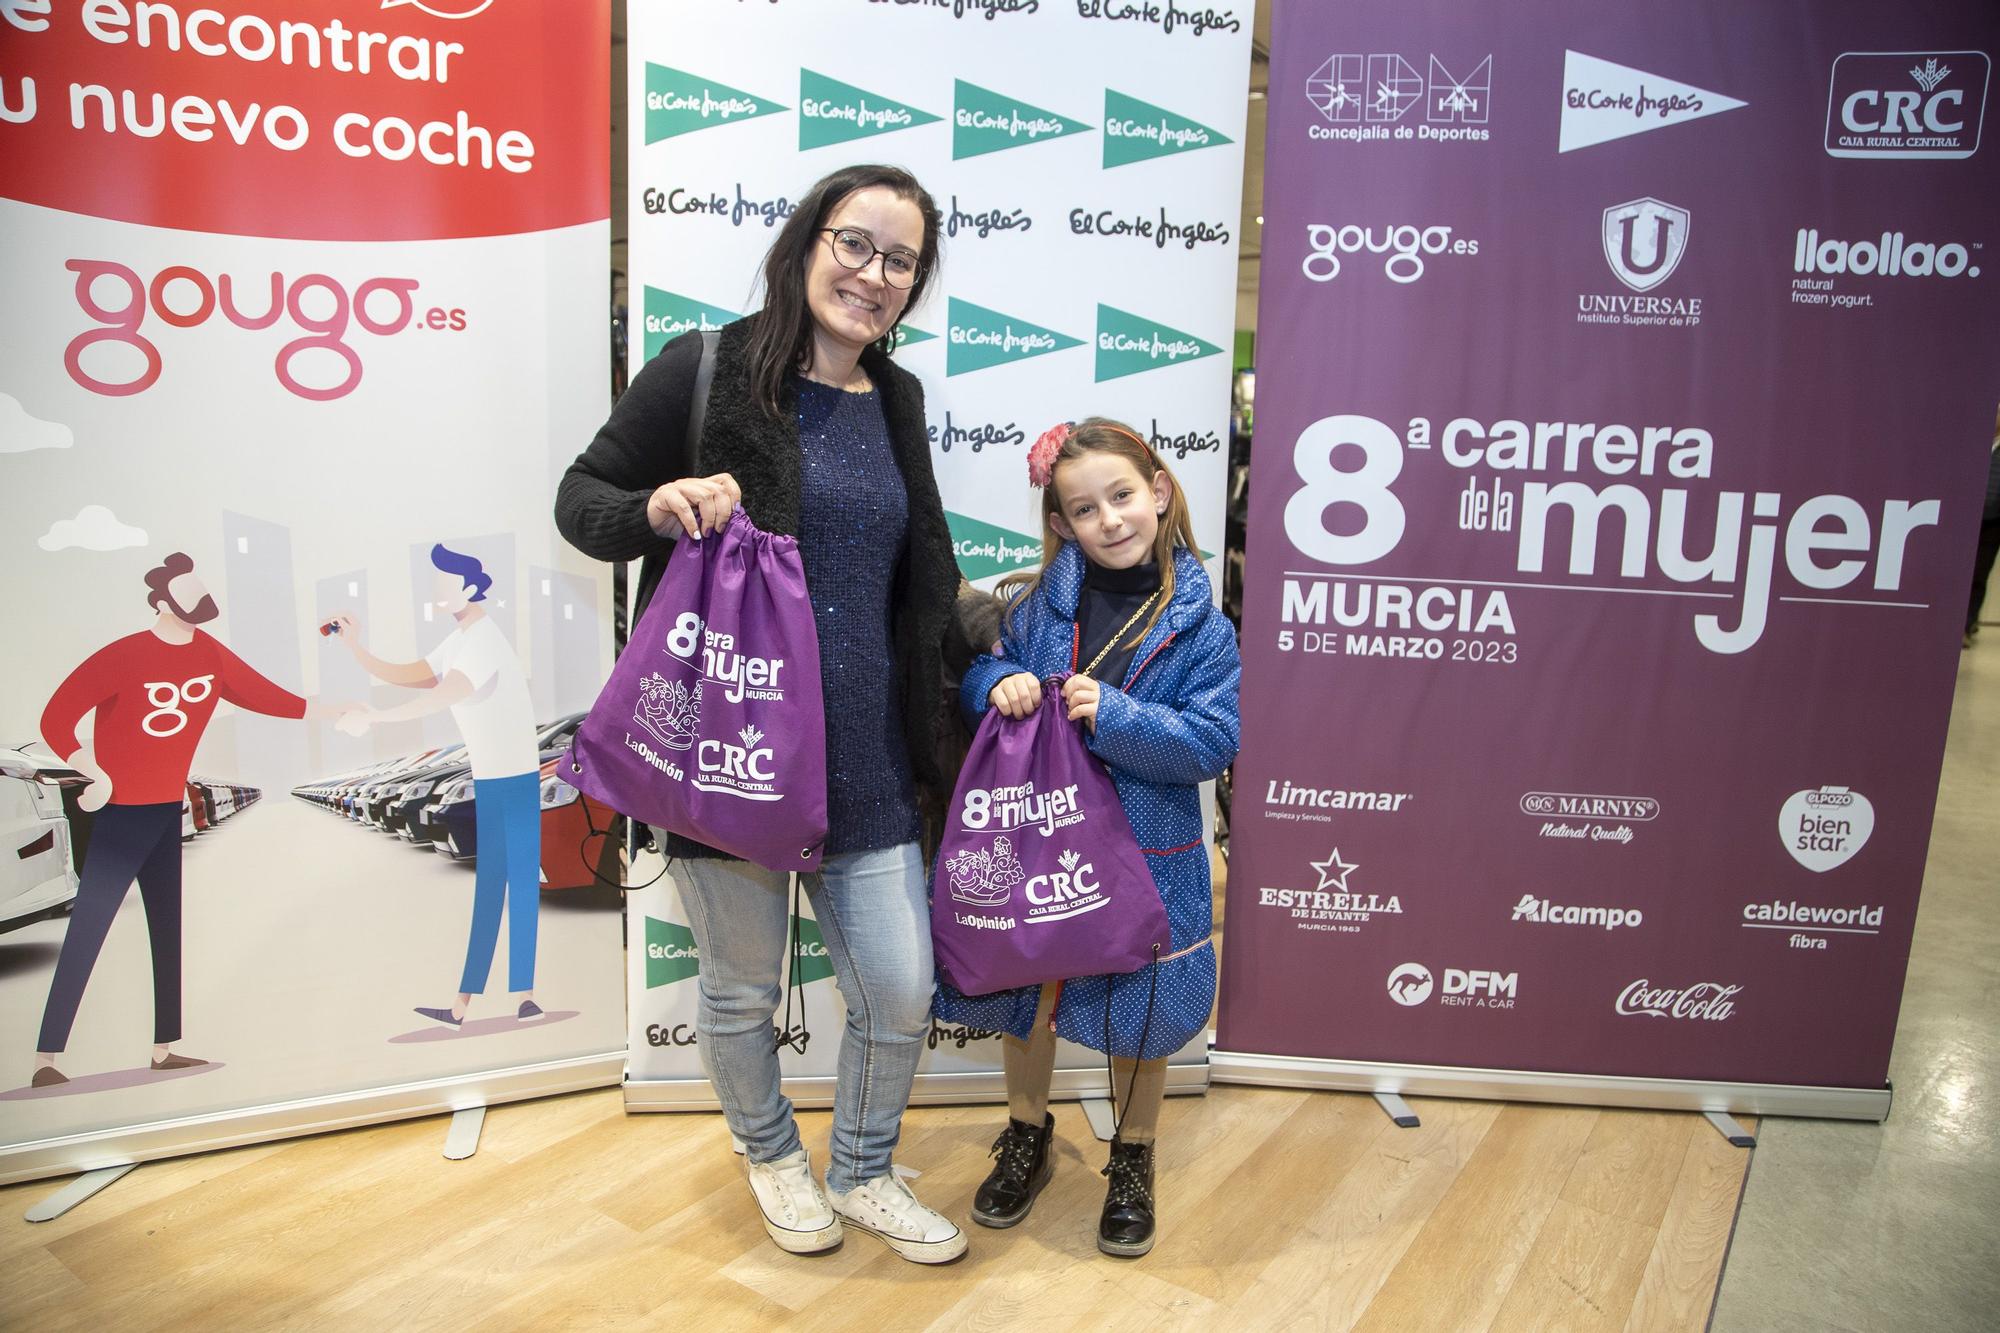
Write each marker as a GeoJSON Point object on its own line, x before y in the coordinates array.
{"type": "Point", "coordinates": [1105, 652]}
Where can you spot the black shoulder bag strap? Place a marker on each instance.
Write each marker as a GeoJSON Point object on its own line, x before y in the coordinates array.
{"type": "Point", "coordinates": [698, 405]}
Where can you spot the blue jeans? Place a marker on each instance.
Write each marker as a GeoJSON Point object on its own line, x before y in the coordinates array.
{"type": "Point", "coordinates": [874, 913]}
{"type": "Point", "coordinates": [508, 816]}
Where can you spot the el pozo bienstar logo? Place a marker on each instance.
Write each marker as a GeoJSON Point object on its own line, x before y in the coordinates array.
{"type": "Point", "coordinates": [669, 315]}
{"type": "Point", "coordinates": [833, 112]}
{"type": "Point", "coordinates": [1129, 344]}
{"type": "Point", "coordinates": [1135, 131]}
{"type": "Point", "coordinates": [678, 102]}
{"type": "Point", "coordinates": [1602, 101]}
{"type": "Point", "coordinates": [983, 121]}
{"type": "Point", "coordinates": [671, 954]}
{"type": "Point", "coordinates": [1367, 98]}
{"type": "Point", "coordinates": [1824, 828]}
{"type": "Point", "coordinates": [979, 338]}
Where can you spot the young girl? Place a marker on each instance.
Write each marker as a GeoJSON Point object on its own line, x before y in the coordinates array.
{"type": "Point", "coordinates": [1121, 601]}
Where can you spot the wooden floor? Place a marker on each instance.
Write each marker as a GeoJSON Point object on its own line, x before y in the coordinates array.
{"type": "Point", "coordinates": [1280, 1209]}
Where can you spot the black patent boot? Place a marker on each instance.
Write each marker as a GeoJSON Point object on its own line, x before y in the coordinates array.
{"type": "Point", "coordinates": [1126, 1226]}
{"type": "Point", "coordinates": [1022, 1166]}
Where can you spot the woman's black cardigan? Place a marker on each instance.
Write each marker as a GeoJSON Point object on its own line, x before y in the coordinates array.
{"type": "Point", "coordinates": [601, 510]}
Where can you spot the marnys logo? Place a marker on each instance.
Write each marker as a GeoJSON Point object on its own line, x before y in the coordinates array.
{"type": "Point", "coordinates": [1411, 984]}
{"type": "Point", "coordinates": [1603, 101]}
{"type": "Point", "coordinates": [984, 550]}
{"type": "Point", "coordinates": [1135, 131]}
{"type": "Point", "coordinates": [671, 954]}
{"type": "Point", "coordinates": [1404, 244]}
{"type": "Point", "coordinates": [1362, 96]}
{"type": "Point", "coordinates": [1589, 809]}
{"type": "Point", "coordinates": [1543, 912]}
{"type": "Point", "coordinates": [1128, 344]}
{"type": "Point", "coordinates": [1907, 103]}
{"type": "Point", "coordinates": [983, 121]}
{"type": "Point", "coordinates": [1710, 1000]}
{"type": "Point", "coordinates": [1825, 828]}
{"type": "Point", "coordinates": [669, 315]}
{"type": "Point", "coordinates": [980, 338]}
{"type": "Point", "coordinates": [1332, 899]}
{"type": "Point", "coordinates": [1644, 240]}
{"type": "Point", "coordinates": [833, 112]}
{"type": "Point", "coordinates": [678, 102]}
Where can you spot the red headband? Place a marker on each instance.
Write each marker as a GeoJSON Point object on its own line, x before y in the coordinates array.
{"type": "Point", "coordinates": [1042, 454]}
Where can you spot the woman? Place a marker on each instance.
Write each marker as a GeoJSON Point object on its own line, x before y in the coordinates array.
{"type": "Point", "coordinates": [816, 433]}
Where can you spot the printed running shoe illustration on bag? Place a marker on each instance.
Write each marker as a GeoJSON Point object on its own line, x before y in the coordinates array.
{"type": "Point", "coordinates": [669, 710]}
{"type": "Point", "coordinates": [983, 876]}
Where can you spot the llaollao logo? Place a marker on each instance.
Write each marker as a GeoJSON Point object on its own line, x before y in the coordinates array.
{"type": "Point", "coordinates": [678, 102]}
{"type": "Point", "coordinates": [980, 338]}
{"type": "Point", "coordinates": [833, 112]}
{"type": "Point", "coordinates": [983, 121]}
{"type": "Point", "coordinates": [1135, 131]}
{"type": "Point", "coordinates": [1128, 344]}
{"type": "Point", "coordinates": [1824, 828]}
{"type": "Point", "coordinates": [671, 954]}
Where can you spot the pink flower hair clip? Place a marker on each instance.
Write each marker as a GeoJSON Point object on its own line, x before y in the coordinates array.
{"type": "Point", "coordinates": [1042, 455]}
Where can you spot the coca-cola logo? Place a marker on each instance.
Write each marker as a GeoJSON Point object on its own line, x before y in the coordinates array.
{"type": "Point", "coordinates": [1709, 1000]}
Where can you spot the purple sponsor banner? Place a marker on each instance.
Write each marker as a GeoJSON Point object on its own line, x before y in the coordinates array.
{"type": "Point", "coordinates": [1626, 383]}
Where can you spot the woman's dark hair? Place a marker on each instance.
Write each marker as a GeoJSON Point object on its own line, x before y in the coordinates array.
{"type": "Point", "coordinates": [781, 339]}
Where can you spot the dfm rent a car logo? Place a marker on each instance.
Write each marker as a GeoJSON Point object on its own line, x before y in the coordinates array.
{"type": "Point", "coordinates": [1021, 806]}
{"type": "Point", "coordinates": [1467, 988]}
{"type": "Point", "coordinates": [1707, 1000]}
{"type": "Point", "coordinates": [1906, 103]}
{"type": "Point", "coordinates": [1827, 540]}
{"type": "Point", "coordinates": [743, 675]}
{"type": "Point", "coordinates": [1404, 244]}
{"type": "Point", "coordinates": [166, 698]}
{"type": "Point", "coordinates": [182, 297]}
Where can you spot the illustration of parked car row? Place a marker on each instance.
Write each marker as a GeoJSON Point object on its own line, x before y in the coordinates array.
{"type": "Point", "coordinates": [426, 800]}
{"type": "Point", "coordinates": [43, 820]}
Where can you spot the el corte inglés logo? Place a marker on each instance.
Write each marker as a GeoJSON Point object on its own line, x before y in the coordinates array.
{"type": "Point", "coordinates": [983, 121]}
{"type": "Point", "coordinates": [834, 112]}
{"type": "Point", "coordinates": [670, 953]}
{"type": "Point", "coordinates": [1135, 131]}
{"type": "Point", "coordinates": [678, 102]}
{"type": "Point", "coordinates": [809, 946]}
{"type": "Point", "coordinates": [980, 338]}
{"type": "Point", "coordinates": [1128, 344]}
{"type": "Point", "coordinates": [984, 550]}
{"type": "Point", "coordinates": [669, 315]}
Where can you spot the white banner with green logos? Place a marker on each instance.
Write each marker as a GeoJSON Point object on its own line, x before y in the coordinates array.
{"type": "Point", "coordinates": [1088, 160]}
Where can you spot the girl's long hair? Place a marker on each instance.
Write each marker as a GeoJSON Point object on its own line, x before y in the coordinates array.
{"type": "Point", "coordinates": [781, 338]}
{"type": "Point", "coordinates": [1099, 435]}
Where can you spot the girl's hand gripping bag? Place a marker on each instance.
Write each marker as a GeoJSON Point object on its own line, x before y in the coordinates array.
{"type": "Point", "coordinates": [1038, 876]}
{"type": "Point", "coordinates": [711, 725]}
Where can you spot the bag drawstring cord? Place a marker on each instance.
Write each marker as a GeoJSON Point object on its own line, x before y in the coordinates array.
{"type": "Point", "coordinates": [583, 852]}
{"type": "Point", "coordinates": [1145, 1031]}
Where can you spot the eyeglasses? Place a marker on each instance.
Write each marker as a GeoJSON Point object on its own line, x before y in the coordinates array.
{"type": "Point", "coordinates": [856, 251]}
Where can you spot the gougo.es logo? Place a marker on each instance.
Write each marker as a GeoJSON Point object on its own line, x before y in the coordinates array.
{"type": "Point", "coordinates": [320, 308]}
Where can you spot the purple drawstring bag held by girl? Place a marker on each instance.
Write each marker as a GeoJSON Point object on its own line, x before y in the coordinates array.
{"type": "Point", "coordinates": [712, 724]}
{"type": "Point", "coordinates": [1038, 877]}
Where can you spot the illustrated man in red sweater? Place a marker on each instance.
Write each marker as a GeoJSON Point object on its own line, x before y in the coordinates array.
{"type": "Point", "coordinates": [153, 693]}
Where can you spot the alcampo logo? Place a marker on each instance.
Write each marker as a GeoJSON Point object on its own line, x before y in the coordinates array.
{"type": "Point", "coordinates": [1129, 344]}
{"type": "Point", "coordinates": [984, 550]}
{"type": "Point", "coordinates": [834, 112]}
{"type": "Point", "coordinates": [980, 338]}
{"type": "Point", "coordinates": [678, 102]}
{"type": "Point", "coordinates": [1135, 131]}
{"type": "Point", "coordinates": [671, 954]}
{"type": "Point", "coordinates": [810, 947]}
{"type": "Point", "coordinates": [669, 315]}
{"type": "Point", "coordinates": [983, 121]}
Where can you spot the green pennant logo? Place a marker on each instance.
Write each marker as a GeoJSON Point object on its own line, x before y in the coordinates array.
{"type": "Point", "coordinates": [678, 102]}
{"type": "Point", "coordinates": [1130, 345]}
{"type": "Point", "coordinates": [1136, 130]}
{"type": "Point", "coordinates": [984, 121]}
{"type": "Point", "coordinates": [985, 550]}
{"type": "Point", "coordinates": [834, 112]}
{"type": "Point", "coordinates": [981, 338]}
{"type": "Point", "coordinates": [670, 953]}
{"type": "Point", "coordinates": [905, 335]}
{"type": "Point", "coordinates": [810, 947]}
{"type": "Point", "coordinates": [669, 315]}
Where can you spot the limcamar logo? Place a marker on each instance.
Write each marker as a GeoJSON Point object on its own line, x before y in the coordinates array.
{"type": "Point", "coordinates": [320, 307]}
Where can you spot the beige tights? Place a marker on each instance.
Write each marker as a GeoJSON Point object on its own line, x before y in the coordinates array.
{"type": "Point", "coordinates": [1030, 1064]}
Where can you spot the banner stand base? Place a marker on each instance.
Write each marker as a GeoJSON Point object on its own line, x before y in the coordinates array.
{"type": "Point", "coordinates": [939, 1089]}
{"type": "Point", "coordinates": [1725, 1125]}
{"type": "Point", "coordinates": [462, 1139]}
{"type": "Point", "coordinates": [1520, 1085]}
{"type": "Point", "coordinates": [131, 1144]}
{"type": "Point", "coordinates": [1398, 1110]}
{"type": "Point", "coordinates": [86, 1186]}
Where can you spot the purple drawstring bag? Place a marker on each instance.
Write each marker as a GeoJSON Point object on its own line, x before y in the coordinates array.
{"type": "Point", "coordinates": [712, 724]}
{"type": "Point", "coordinates": [1038, 876]}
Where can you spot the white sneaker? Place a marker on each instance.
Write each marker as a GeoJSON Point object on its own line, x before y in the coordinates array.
{"type": "Point", "coordinates": [795, 1209]}
{"type": "Point", "coordinates": [885, 1209]}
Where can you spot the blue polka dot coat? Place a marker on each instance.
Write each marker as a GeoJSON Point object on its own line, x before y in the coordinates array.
{"type": "Point", "coordinates": [1170, 725]}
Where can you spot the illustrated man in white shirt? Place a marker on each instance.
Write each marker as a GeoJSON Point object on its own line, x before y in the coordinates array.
{"type": "Point", "coordinates": [476, 674]}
